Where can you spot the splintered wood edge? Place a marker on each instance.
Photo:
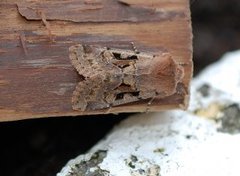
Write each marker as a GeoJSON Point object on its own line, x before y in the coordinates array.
{"type": "Point", "coordinates": [13, 116]}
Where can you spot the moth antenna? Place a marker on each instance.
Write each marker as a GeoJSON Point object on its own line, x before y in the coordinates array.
{"type": "Point", "coordinates": [46, 24]}
{"type": "Point", "coordinates": [108, 110]}
{"type": "Point", "coordinates": [23, 43]}
{"type": "Point", "coordinates": [149, 103]}
{"type": "Point", "coordinates": [134, 48]}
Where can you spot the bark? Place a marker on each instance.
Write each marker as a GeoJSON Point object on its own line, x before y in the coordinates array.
{"type": "Point", "coordinates": [36, 75]}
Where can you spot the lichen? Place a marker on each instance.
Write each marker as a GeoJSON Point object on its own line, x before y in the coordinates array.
{"type": "Point", "coordinates": [153, 170]}
{"type": "Point", "coordinates": [130, 161]}
{"type": "Point", "coordinates": [90, 167]}
{"type": "Point", "coordinates": [212, 111]}
{"type": "Point", "coordinates": [230, 120]}
{"type": "Point", "coordinates": [159, 150]}
{"type": "Point", "coordinates": [142, 167]}
{"type": "Point", "coordinates": [204, 90]}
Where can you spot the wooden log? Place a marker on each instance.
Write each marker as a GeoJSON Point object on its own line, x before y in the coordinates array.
{"type": "Point", "coordinates": [37, 78]}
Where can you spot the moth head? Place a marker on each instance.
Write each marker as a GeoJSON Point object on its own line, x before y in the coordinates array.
{"type": "Point", "coordinates": [166, 73]}
{"type": "Point", "coordinates": [165, 65]}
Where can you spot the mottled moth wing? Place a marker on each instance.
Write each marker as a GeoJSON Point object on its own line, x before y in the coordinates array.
{"type": "Point", "coordinates": [115, 77]}
{"type": "Point", "coordinates": [85, 59]}
{"type": "Point", "coordinates": [100, 76]}
{"type": "Point", "coordinates": [89, 93]}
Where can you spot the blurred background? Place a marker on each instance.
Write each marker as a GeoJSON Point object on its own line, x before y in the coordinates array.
{"type": "Point", "coordinates": [216, 30]}
{"type": "Point", "coordinates": [41, 147]}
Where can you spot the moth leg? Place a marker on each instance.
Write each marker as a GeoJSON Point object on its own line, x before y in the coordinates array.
{"type": "Point", "coordinates": [149, 103]}
{"type": "Point", "coordinates": [148, 94]}
{"type": "Point", "coordinates": [135, 48]}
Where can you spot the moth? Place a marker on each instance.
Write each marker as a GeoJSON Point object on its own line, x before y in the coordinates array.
{"type": "Point", "coordinates": [115, 77]}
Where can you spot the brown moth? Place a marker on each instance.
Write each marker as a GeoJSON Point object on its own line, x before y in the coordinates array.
{"type": "Point", "coordinates": [115, 77]}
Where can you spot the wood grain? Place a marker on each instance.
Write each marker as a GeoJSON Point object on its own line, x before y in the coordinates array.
{"type": "Point", "coordinates": [36, 76]}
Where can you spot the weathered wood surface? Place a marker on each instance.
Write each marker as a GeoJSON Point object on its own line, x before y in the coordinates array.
{"type": "Point", "coordinates": [36, 76]}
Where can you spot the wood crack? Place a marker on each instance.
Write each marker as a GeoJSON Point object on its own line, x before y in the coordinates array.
{"type": "Point", "coordinates": [84, 11]}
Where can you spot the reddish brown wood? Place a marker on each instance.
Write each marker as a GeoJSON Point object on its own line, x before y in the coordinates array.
{"type": "Point", "coordinates": [36, 76]}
